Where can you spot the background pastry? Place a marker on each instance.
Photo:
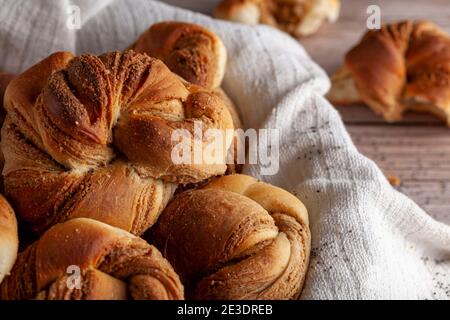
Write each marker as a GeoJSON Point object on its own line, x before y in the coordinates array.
{"type": "Point", "coordinates": [236, 238]}
{"type": "Point", "coordinates": [297, 17]}
{"type": "Point", "coordinates": [404, 66]}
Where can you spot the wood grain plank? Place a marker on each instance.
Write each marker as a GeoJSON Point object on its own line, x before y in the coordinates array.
{"type": "Point", "coordinates": [203, 6]}
{"type": "Point", "coordinates": [418, 155]}
{"type": "Point", "coordinates": [362, 115]}
{"type": "Point", "coordinates": [433, 196]}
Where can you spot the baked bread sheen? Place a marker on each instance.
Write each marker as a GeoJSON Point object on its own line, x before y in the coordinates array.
{"type": "Point", "coordinates": [9, 241]}
{"type": "Point", "coordinates": [191, 51]}
{"type": "Point", "coordinates": [113, 265]}
{"type": "Point", "coordinates": [196, 54]}
{"type": "Point", "coordinates": [236, 238]}
{"type": "Point", "coordinates": [91, 136]}
{"type": "Point", "coordinates": [297, 17]}
{"type": "Point", "coordinates": [403, 66]}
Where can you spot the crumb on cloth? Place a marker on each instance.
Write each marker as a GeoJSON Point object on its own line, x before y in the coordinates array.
{"type": "Point", "coordinates": [394, 180]}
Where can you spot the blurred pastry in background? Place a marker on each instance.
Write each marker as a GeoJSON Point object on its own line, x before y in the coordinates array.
{"type": "Point", "coordinates": [300, 18]}
{"type": "Point", "coordinates": [403, 66]}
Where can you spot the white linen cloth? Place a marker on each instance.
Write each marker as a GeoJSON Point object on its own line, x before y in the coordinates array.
{"type": "Point", "coordinates": [368, 240]}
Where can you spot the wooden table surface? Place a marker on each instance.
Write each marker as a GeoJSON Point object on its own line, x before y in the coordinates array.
{"type": "Point", "coordinates": [417, 150]}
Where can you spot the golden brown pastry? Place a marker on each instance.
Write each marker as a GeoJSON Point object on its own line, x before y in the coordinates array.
{"type": "Point", "coordinates": [91, 136]}
{"type": "Point", "coordinates": [9, 241]}
{"type": "Point", "coordinates": [191, 51]}
{"type": "Point", "coordinates": [238, 146]}
{"type": "Point", "coordinates": [5, 79]}
{"type": "Point", "coordinates": [404, 66]}
{"type": "Point", "coordinates": [236, 238]}
{"type": "Point", "coordinates": [297, 17]}
{"type": "Point", "coordinates": [112, 264]}
{"type": "Point", "coordinates": [196, 54]}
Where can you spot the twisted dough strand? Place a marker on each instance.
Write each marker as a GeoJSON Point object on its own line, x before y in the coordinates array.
{"type": "Point", "coordinates": [191, 51]}
{"type": "Point", "coordinates": [236, 238]}
{"type": "Point", "coordinates": [114, 265]}
{"type": "Point", "coordinates": [197, 55]}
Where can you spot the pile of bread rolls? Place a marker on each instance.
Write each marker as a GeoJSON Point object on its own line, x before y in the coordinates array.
{"type": "Point", "coordinates": [88, 170]}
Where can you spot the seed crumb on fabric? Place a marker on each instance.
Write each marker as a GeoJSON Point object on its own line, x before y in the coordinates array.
{"type": "Point", "coordinates": [394, 180]}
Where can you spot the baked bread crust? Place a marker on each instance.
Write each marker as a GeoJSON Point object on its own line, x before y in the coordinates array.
{"type": "Point", "coordinates": [5, 79]}
{"type": "Point", "coordinates": [114, 265]}
{"type": "Point", "coordinates": [236, 238]}
{"type": "Point", "coordinates": [404, 66]}
{"type": "Point", "coordinates": [9, 241]}
{"type": "Point", "coordinates": [196, 54]}
{"type": "Point", "coordinates": [90, 136]}
{"type": "Point", "coordinates": [189, 50]}
{"type": "Point", "coordinates": [297, 17]}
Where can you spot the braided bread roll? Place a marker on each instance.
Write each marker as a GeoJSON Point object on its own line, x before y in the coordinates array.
{"type": "Point", "coordinates": [297, 17]}
{"type": "Point", "coordinates": [113, 265]}
{"type": "Point", "coordinates": [9, 240]}
{"type": "Point", "coordinates": [236, 238]}
{"type": "Point", "coordinates": [404, 66]}
{"type": "Point", "coordinates": [191, 51]}
{"type": "Point", "coordinates": [90, 136]}
{"type": "Point", "coordinates": [196, 54]}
